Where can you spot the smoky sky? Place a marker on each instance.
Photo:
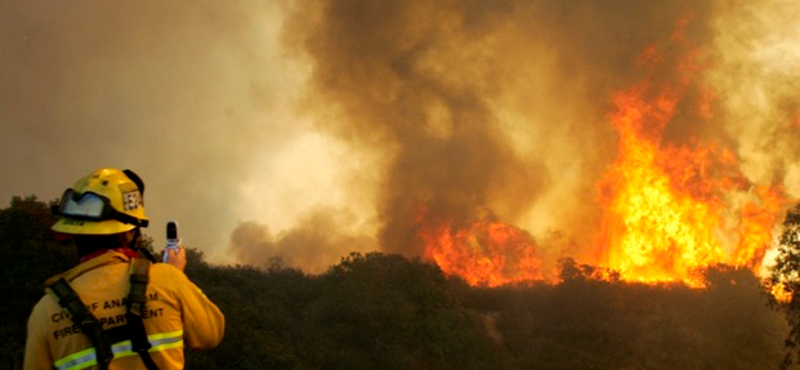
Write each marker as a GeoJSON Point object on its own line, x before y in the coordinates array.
{"type": "Point", "coordinates": [308, 129]}
{"type": "Point", "coordinates": [174, 92]}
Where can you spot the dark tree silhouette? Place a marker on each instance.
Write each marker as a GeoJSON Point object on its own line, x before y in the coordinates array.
{"type": "Point", "coordinates": [785, 282]}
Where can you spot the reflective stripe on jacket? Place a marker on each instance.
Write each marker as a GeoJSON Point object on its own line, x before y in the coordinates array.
{"type": "Point", "coordinates": [176, 314]}
{"type": "Point", "coordinates": [88, 357]}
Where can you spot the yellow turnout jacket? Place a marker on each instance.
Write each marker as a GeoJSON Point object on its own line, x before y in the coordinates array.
{"type": "Point", "coordinates": [176, 314]}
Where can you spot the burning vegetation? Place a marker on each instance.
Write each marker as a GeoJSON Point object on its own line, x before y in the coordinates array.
{"type": "Point", "coordinates": [498, 125]}
{"type": "Point", "coordinates": [487, 252]}
{"type": "Point", "coordinates": [653, 140]}
{"type": "Point", "coordinates": [671, 206]}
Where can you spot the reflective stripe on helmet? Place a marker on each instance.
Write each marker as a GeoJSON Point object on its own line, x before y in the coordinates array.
{"type": "Point", "coordinates": [88, 357]}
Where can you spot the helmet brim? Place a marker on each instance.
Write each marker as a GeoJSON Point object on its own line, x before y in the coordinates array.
{"type": "Point", "coordinates": [72, 226]}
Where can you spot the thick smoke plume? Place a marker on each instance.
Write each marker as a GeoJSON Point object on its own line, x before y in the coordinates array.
{"type": "Point", "coordinates": [321, 127]}
{"type": "Point", "coordinates": [758, 80]}
{"type": "Point", "coordinates": [482, 108]}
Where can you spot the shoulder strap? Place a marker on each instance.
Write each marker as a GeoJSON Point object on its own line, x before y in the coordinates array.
{"type": "Point", "coordinates": [69, 300]}
{"type": "Point", "coordinates": [134, 325]}
{"type": "Point", "coordinates": [140, 276]}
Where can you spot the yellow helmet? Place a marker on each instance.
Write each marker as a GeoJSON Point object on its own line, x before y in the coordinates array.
{"type": "Point", "coordinates": [107, 201]}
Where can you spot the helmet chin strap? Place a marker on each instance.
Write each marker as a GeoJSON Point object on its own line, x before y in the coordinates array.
{"type": "Point", "coordinates": [134, 246]}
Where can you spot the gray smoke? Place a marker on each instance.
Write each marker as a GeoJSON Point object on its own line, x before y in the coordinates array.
{"type": "Point", "coordinates": [321, 127]}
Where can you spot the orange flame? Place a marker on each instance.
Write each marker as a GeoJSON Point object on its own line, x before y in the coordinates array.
{"type": "Point", "coordinates": [484, 253]}
{"type": "Point", "coordinates": [669, 209]}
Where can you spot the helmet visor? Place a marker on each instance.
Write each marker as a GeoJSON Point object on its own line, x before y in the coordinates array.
{"type": "Point", "coordinates": [93, 207]}
{"type": "Point", "coordinates": [85, 206]}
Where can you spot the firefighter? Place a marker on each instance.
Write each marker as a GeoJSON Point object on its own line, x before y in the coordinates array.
{"type": "Point", "coordinates": [116, 309]}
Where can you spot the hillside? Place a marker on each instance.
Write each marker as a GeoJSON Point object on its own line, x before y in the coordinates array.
{"type": "Point", "coordinates": [385, 311]}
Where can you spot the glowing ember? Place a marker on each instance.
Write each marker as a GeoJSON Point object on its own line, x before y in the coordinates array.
{"type": "Point", "coordinates": [486, 253]}
{"type": "Point", "coordinates": [780, 293]}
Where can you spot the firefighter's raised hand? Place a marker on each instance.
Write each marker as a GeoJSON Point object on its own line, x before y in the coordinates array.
{"type": "Point", "coordinates": [176, 257]}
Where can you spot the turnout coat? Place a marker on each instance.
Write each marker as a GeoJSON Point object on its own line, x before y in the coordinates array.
{"type": "Point", "coordinates": [177, 314]}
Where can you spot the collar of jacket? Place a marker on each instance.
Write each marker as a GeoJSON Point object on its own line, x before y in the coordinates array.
{"type": "Point", "coordinates": [109, 258]}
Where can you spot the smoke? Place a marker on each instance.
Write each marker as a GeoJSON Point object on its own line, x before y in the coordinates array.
{"type": "Point", "coordinates": [317, 240]}
{"type": "Point", "coordinates": [756, 72]}
{"type": "Point", "coordinates": [310, 129]}
{"type": "Point", "coordinates": [481, 107]}
{"type": "Point", "coordinates": [186, 96]}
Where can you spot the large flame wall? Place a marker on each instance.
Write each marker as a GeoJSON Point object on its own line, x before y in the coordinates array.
{"type": "Point", "coordinates": [671, 208]}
